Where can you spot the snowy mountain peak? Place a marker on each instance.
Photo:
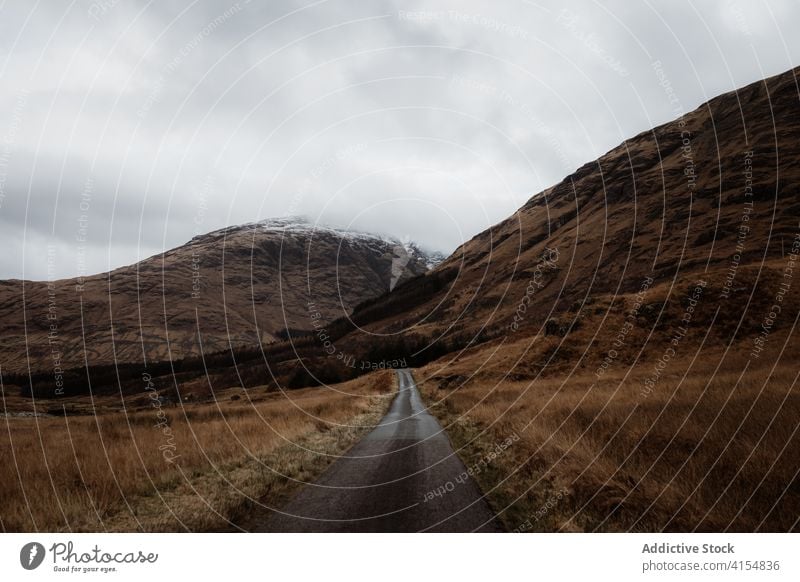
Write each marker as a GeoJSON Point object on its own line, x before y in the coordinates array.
{"type": "Point", "coordinates": [404, 251]}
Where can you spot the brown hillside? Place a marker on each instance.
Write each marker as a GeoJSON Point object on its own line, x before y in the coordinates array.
{"type": "Point", "coordinates": [635, 326]}
{"type": "Point", "coordinates": [237, 286]}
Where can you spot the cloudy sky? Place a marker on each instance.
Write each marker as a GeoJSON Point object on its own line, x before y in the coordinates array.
{"type": "Point", "coordinates": [127, 127]}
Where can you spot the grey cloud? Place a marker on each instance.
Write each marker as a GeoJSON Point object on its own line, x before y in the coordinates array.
{"type": "Point", "coordinates": [431, 119]}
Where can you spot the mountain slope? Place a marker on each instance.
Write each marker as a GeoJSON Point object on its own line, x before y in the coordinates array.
{"type": "Point", "coordinates": [636, 326]}
{"type": "Point", "coordinates": [710, 194]}
{"type": "Point", "coordinates": [239, 285]}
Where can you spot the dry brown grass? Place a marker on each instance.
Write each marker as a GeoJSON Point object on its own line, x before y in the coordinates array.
{"type": "Point", "coordinates": [706, 451]}
{"type": "Point", "coordinates": [109, 472]}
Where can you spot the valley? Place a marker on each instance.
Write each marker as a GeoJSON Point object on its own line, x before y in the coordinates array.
{"type": "Point", "coordinates": [633, 326]}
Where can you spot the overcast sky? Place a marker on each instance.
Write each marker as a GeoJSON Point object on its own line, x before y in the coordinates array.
{"type": "Point", "coordinates": [127, 127]}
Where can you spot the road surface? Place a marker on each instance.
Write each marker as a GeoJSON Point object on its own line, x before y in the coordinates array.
{"type": "Point", "coordinates": [385, 482]}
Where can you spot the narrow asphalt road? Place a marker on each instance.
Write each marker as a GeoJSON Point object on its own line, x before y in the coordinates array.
{"type": "Point", "coordinates": [384, 483]}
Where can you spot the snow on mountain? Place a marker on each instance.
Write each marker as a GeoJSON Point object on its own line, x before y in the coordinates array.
{"type": "Point", "coordinates": [403, 248]}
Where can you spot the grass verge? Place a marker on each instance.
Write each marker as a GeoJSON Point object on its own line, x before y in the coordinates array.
{"type": "Point", "coordinates": [193, 468]}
